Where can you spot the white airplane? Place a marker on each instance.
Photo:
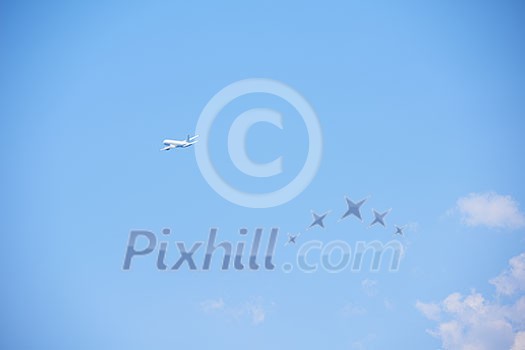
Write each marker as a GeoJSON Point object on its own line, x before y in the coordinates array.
{"type": "Point", "coordinates": [179, 144]}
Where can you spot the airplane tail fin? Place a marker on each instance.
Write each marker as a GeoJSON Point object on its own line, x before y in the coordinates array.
{"type": "Point", "coordinates": [191, 138]}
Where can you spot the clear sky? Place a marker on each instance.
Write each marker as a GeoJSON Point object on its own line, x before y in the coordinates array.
{"type": "Point", "coordinates": [422, 108]}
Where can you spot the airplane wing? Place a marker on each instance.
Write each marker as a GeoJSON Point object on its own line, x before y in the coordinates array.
{"type": "Point", "coordinates": [194, 137]}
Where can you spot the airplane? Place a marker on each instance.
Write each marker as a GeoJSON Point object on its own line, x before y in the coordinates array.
{"type": "Point", "coordinates": [170, 144]}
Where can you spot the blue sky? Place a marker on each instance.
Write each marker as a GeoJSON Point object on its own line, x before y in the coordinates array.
{"type": "Point", "coordinates": [421, 107]}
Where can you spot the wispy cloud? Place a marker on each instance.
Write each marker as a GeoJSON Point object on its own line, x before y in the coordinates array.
{"type": "Point", "coordinates": [389, 305]}
{"type": "Point", "coordinates": [255, 310]}
{"type": "Point", "coordinates": [351, 309]}
{"type": "Point", "coordinates": [364, 343]}
{"type": "Point", "coordinates": [491, 210]}
{"type": "Point", "coordinates": [476, 323]}
{"type": "Point", "coordinates": [212, 305]}
{"type": "Point", "coordinates": [369, 287]}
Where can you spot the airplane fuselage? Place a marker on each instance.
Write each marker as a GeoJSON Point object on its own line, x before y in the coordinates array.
{"type": "Point", "coordinates": [176, 143]}
{"type": "Point", "coordinates": [170, 144]}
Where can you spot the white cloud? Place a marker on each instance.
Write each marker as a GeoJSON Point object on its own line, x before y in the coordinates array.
{"type": "Point", "coordinates": [431, 311]}
{"type": "Point", "coordinates": [490, 210]}
{"type": "Point", "coordinates": [472, 322]}
{"type": "Point", "coordinates": [519, 341]}
{"type": "Point", "coordinates": [254, 310]}
{"type": "Point", "coordinates": [512, 280]}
